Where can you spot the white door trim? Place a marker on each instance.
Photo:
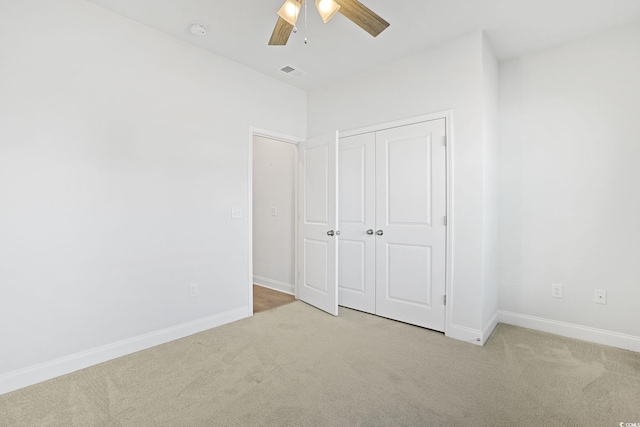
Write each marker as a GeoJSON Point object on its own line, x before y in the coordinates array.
{"type": "Point", "coordinates": [398, 123]}
{"type": "Point", "coordinates": [448, 116]}
{"type": "Point", "coordinates": [255, 131]}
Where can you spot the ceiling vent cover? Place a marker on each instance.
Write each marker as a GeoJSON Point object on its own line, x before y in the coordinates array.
{"type": "Point", "coordinates": [293, 72]}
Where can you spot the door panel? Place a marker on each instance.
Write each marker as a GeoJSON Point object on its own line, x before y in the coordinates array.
{"type": "Point", "coordinates": [318, 214]}
{"type": "Point", "coordinates": [409, 181]}
{"type": "Point", "coordinates": [352, 191]}
{"type": "Point", "coordinates": [410, 210]}
{"type": "Point", "coordinates": [356, 280]}
{"type": "Point", "coordinates": [316, 185]}
{"type": "Point", "coordinates": [404, 287]}
{"type": "Point", "coordinates": [352, 276]}
{"type": "Point", "coordinates": [316, 258]}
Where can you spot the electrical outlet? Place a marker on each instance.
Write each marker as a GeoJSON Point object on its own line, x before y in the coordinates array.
{"type": "Point", "coordinates": [556, 290]}
{"type": "Point", "coordinates": [274, 211]}
{"type": "Point", "coordinates": [193, 290]}
{"type": "Point", "coordinates": [601, 296]}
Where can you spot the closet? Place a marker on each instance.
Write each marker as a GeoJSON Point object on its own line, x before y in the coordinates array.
{"type": "Point", "coordinates": [392, 221]}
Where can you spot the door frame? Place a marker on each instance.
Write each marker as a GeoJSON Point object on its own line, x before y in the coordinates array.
{"type": "Point", "coordinates": [289, 139]}
{"type": "Point", "coordinates": [447, 115]}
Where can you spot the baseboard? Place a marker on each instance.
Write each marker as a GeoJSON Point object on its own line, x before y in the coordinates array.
{"type": "Point", "coordinates": [489, 327]}
{"type": "Point", "coordinates": [45, 371]}
{"type": "Point", "coordinates": [463, 333]}
{"type": "Point", "coordinates": [570, 330]}
{"type": "Point", "coordinates": [276, 285]}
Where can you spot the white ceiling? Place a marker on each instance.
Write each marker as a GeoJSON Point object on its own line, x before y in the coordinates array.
{"type": "Point", "coordinates": [240, 30]}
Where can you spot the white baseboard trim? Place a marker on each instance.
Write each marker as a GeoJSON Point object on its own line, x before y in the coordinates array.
{"type": "Point", "coordinates": [489, 327]}
{"type": "Point", "coordinates": [276, 285]}
{"type": "Point", "coordinates": [570, 330]}
{"type": "Point", "coordinates": [463, 333]}
{"type": "Point", "coordinates": [474, 336]}
{"type": "Point", "coordinates": [45, 371]}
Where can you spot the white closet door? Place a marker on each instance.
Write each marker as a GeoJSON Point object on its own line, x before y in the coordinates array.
{"type": "Point", "coordinates": [318, 220]}
{"type": "Point", "coordinates": [411, 234]}
{"type": "Point", "coordinates": [356, 278]}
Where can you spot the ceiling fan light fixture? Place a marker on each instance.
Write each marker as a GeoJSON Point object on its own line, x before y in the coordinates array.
{"type": "Point", "coordinates": [353, 10]}
{"type": "Point", "coordinates": [290, 11]}
{"type": "Point", "coordinates": [327, 9]}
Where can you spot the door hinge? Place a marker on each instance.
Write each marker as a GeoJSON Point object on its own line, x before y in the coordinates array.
{"type": "Point", "coordinates": [444, 140]}
{"type": "Point", "coordinates": [445, 220]}
{"type": "Point", "coordinates": [445, 300]}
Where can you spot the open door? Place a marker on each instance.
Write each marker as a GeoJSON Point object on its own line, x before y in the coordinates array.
{"type": "Point", "coordinates": [317, 223]}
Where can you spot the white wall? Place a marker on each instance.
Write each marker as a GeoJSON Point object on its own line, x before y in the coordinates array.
{"type": "Point", "coordinates": [449, 76]}
{"type": "Point", "coordinates": [490, 206]}
{"type": "Point", "coordinates": [570, 184]}
{"type": "Point", "coordinates": [274, 186]}
{"type": "Point", "coordinates": [122, 152]}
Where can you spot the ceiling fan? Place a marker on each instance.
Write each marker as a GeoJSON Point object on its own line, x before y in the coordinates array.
{"type": "Point", "coordinates": [358, 13]}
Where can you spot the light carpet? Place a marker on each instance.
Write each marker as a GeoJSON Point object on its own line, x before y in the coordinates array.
{"type": "Point", "coordinates": [296, 366]}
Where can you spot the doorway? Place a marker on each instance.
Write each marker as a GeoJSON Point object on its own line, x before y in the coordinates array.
{"type": "Point", "coordinates": [273, 201]}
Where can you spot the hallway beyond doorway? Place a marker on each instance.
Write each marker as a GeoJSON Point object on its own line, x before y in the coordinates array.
{"type": "Point", "coordinates": [266, 299]}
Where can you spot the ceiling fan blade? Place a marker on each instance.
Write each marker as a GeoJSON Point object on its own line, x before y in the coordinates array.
{"type": "Point", "coordinates": [362, 16]}
{"type": "Point", "coordinates": [281, 33]}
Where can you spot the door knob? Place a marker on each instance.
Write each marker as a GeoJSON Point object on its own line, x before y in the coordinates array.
{"type": "Point", "coordinates": [370, 232]}
{"type": "Point", "coordinates": [379, 232]}
{"type": "Point", "coordinates": [331, 233]}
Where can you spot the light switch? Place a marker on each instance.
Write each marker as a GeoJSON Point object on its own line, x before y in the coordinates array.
{"type": "Point", "coordinates": [274, 211]}
{"type": "Point", "coordinates": [236, 212]}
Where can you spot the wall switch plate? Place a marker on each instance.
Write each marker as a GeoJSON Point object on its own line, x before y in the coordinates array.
{"type": "Point", "coordinates": [236, 212]}
{"type": "Point", "coordinates": [556, 290]}
{"type": "Point", "coordinates": [601, 296]}
{"type": "Point", "coordinates": [274, 211]}
{"type": "Point", "coordinates": [193, 290]}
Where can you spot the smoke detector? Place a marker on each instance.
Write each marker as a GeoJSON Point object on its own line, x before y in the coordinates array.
{"type": "Point", "coordinates": [292, 71]}
{"type": "Point", "coordinates": [198, 29]}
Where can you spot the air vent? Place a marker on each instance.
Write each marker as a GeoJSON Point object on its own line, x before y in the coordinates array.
{"type": "Point", "coordinates": [293, 72]}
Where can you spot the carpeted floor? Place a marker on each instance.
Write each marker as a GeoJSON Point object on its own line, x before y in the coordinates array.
{"type": "Point", "coordinates": [296, 366]}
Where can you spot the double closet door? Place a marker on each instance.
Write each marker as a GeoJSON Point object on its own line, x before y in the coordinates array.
{"type": "Point", "coordinates": [392, 220]}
